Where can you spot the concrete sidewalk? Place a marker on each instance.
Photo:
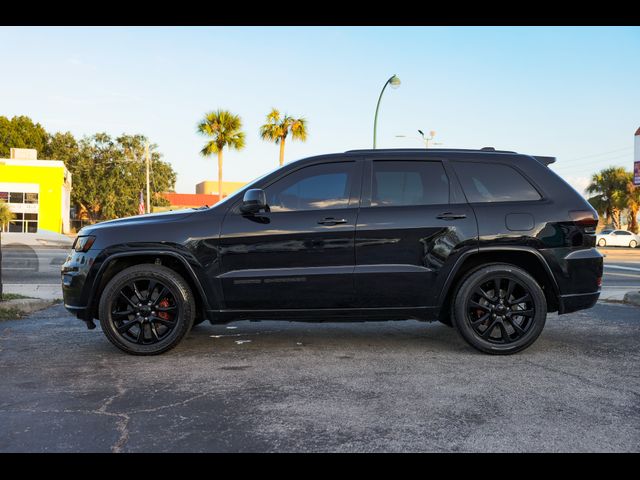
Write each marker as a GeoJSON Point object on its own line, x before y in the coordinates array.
{"type": "Point", "coordinates": [46, 291]}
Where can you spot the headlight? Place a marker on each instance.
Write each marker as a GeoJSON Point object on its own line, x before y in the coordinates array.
{"type": "Point", "coordinates": [83, 243]}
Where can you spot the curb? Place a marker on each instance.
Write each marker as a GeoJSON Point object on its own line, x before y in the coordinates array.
{"type": "Point", "coordinates": [21, 307]}
{"type": "Point", "coordinates": [632, 298]}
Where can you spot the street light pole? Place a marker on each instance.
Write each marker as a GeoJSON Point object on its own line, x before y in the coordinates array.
{"type": "Point", "coordinates": [395, 83]}
{"type": "Point", "coordinates": [426, 140]}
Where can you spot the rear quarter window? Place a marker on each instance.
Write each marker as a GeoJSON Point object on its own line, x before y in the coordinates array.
{"type": "Point", "coordinates": [494, 182]}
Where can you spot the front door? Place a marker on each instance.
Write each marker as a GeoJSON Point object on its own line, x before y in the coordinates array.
{"type": "Point", "coordinates": [410, 224]}
{"type": "Point", "coordinates": [300, 253]}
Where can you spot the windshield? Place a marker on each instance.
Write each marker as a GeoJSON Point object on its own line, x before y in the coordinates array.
{"type": "Point", "coordinates": [235, 195]}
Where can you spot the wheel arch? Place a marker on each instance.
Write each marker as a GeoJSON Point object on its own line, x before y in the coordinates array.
{"type": "Point", "coordinates": [116, 262]}
{"type": "Point", "coordinates": [526, 258]}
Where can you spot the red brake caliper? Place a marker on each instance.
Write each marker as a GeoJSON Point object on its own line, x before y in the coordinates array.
{"type": "Point", "coordinates": [164, 303]}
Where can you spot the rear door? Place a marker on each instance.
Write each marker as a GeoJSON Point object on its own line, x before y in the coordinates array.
{"type": "Point", "coordinates": [411, 222]}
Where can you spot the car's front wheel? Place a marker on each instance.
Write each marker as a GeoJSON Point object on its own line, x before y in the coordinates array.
{"type": "Point", "coordinates": [146, 309]}
{"type": "Point", "coordinates": [602, 242]}
{"type": "Point", "coordinates": [499, 309]}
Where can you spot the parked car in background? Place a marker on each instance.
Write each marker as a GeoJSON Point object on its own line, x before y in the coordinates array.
{"type": "Point", "coordinates": [33, 256]}
{"type": "Point", "coordinates": [617, 238]}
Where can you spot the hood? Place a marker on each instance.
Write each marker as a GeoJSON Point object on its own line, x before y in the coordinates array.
{"type": "Point", "coordinates": [138, 220]}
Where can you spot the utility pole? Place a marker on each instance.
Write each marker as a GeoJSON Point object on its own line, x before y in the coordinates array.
{"type": "Point", "coordinates": [146, 154]}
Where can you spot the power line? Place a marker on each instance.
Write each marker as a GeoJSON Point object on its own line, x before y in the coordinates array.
{"type": "Point", "coordinates": [596, 155]}
{"type": "Point", "coordinates": [591, 162]}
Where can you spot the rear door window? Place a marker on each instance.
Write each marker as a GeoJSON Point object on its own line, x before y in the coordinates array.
{"type": "Point", "coordinates": [396, 183]}
{"type": "Point", "coordinates": [494, 182]}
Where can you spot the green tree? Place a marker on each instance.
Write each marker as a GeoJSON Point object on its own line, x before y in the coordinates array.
{"type": "Point", "coordinates": [279, 127]}
{"type": "Point", "coordinates": [62, 146]}
{"type": "Point", "coordinates": [609, 186]}
{"type": "Point", "coordinates": [225, 130]}
{"type": "Point", "coordinates": [108, 175]}
{"type": "Point", "coordinates": [21, 132]}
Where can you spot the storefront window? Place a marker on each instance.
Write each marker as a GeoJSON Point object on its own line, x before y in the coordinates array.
{"type": "Point", "coordinates": [16, 197]}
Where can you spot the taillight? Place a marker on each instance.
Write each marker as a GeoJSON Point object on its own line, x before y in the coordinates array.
{"type": "Point", "coordinates": [586, 219]}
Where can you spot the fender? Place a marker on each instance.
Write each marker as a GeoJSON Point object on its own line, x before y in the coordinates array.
{"type": "Point", "coordinates": [518, 248]}
{"type": "Point", "coordinates": [148, 252]}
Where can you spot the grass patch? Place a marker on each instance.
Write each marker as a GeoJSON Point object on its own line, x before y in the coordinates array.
{"type": "Point", "coordinates": [11, 313]}
{"type": "Point", "coordinates": [11, 296]}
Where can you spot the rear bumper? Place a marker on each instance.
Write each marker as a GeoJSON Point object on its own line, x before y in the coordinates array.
{"type": "Point", "coordinates": [578, 274]}
{"type": "Point", "coordinates": [577, 301]}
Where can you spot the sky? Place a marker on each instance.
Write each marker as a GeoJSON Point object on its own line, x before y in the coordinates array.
{"type": "Point", "coordinates": [568, 92]}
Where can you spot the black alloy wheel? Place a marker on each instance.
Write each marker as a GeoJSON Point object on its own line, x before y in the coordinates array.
{"type": "Point", "coordinates": [499, 309]}
{"type": "Point", "coordinates": [146, 309]}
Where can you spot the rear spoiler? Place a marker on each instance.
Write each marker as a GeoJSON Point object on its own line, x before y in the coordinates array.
{"type": "Point", "coordinates": [545, 160]}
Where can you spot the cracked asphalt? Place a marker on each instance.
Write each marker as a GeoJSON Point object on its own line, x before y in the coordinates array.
{"type": "Point", "coordinates": [355, 387]}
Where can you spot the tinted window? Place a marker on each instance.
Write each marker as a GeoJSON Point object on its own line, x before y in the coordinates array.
{"type": "Point", "coordinates": [622, 232]}
{"type": "Point", "coordinates": [312, 188]}
{"type": "Point", "coordinates": [491, 182]}
{"type": "Point", "coordinates": [408, 183]}
{"type": "Point", "coordinates": [16, 197]}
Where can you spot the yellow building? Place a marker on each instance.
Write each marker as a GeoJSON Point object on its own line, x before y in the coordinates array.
{"type": "Point", "coordinates": [38, 192]}
{"type": "Point", "coordinates": [210, 187]}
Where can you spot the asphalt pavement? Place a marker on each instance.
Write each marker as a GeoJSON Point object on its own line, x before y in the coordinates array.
{"type": "Point", "coordinates": [322, 387]}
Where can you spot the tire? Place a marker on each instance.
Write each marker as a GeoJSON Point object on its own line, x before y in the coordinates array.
{"type": "Point", "coordinates": [602, 242]}
{"type": "Point", "coordinates": [633, 244]}
{"type": "Point", "coordinates": [148, 329]}
{"type": "Point", "coordinates": [497, 313]}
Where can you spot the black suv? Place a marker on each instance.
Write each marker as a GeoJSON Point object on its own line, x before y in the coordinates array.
{"type": "Point", "coordinates": [486, 241]}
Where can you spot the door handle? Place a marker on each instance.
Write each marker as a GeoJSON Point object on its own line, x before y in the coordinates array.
{"type": "Point", "coordinates": [451, 216]}
{"type": "Point", "coordinates": [331, 221]}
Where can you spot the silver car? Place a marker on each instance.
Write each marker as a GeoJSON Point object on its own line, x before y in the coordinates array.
{"type": "Point", "coordinates": [617, 238]}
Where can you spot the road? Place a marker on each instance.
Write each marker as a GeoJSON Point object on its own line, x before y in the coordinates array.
{"type": "Point", "coordinates": [356, 387]}
{"type": "Point", "coordinates": [621, 267]}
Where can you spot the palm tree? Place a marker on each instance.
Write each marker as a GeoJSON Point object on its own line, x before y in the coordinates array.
{"type": "Point", "coordinates": [610, 186]}
{"type": "Point", "coordinates": [633, 204]}
{"type": "Point", "coordinates": [224, 128]}
{"type": "Point", "coordinates": [5, 217]}
{"type": "Point", "coordinates": [5, 214]}
{"type": "Point", "coordinates": [277, 128]}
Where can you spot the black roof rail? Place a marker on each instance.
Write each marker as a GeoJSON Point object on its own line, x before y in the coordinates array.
{"type": "Point", "coordinates": [422, 150]}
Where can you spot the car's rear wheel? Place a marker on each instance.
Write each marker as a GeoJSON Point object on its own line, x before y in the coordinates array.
{"type": "Point", "coordinates": [602, 242]}
{"type": "Point", "coordinates": [499, 309]}
{"type": "Point", "coordinates": [146, 309]}
{"type": "Point", "coordinates": [633, 244]}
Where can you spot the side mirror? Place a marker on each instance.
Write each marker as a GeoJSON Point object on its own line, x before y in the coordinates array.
{"type": "Point", "coordinates": [253, 201]}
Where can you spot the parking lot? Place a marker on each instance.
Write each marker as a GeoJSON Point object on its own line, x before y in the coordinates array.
{"type": "Point", "coordinates": [356, 387]}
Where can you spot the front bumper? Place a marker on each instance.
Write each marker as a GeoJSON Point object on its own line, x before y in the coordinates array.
{"type": "Point", "coordinates": [75, 288]}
